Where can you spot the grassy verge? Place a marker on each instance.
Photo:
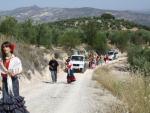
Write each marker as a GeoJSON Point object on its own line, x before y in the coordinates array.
{"type": "Point", "coordinates": [134, 91]}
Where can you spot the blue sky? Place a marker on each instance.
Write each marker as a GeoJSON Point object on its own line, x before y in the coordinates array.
{"type": "Point", "coordinates": [101, 4]}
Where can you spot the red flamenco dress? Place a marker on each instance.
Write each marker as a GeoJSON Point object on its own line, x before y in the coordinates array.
{"type": "Point", "coordinates": [70, 74]}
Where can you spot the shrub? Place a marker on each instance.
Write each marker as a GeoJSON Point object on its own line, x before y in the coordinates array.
{"type": "Point", "coordinates": [139, 59]}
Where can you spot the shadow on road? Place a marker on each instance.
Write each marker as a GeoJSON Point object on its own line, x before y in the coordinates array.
{"type": "Point", "coordinates": [61, 82]}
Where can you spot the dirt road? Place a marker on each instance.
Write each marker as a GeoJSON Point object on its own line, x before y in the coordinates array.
{"type": "Point", "coordinates": [82, 96]}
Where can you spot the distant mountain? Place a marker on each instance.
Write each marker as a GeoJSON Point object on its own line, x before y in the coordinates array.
{"type": "Point", "coordinates": [54, 14]}
{"type": "Point", "coordinates": [145, 11]}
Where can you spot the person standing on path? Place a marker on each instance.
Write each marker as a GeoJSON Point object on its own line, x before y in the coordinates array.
{"type": "Point", "coordinates": [10, 69]}
{"type": "Point", "coordinates": [53, 67]}
{"type": "Point", "coordinates": [70, 72]}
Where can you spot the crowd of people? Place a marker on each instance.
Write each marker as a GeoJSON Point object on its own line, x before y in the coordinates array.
{"type": "Point", "coordinates": [95, 60]}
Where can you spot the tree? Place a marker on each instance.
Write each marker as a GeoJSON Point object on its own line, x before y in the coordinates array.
{"type": "Point", "coordinates": [55, 36]}
{"type": "Point", "coordinates": [69, 39]}
{"type": "Point", "coordinates": [107, 16]}
{"type": "Point", "coordinates": [120, 39]}
{"type": "Point", "coordinates": [28, 32]}
{"type": "Point", "coordinates": [89, 31]}
{"type": "Point", "coordinates": [9, 26]}
{"type": "Point", "coordinates": [100, 42]}
{"type": "Point", "coordinates": [44, 35]}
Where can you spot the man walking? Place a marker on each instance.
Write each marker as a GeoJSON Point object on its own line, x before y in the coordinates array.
{"type": "Point", "coordinates": [53, 65]}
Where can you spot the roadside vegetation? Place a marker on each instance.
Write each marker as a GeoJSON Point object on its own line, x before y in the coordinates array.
{"type": "Point", "coordinates": [133, 91]}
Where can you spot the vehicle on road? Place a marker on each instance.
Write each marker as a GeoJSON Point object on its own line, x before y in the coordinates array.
{"type": "Point", "coordinates": [78, 62]}
{"type": "Point", "coordinates": [112, 55]}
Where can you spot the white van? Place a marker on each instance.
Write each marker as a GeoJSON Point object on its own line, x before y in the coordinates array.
{"type": "Point", "coordinates": [78, 62]}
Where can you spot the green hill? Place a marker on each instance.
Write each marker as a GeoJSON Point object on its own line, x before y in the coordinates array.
{"type": "Point", "coordinates": [101, 23]}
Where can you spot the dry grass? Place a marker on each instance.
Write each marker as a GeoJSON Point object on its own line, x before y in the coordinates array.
{"type": "Point", "coordinates": [108, 80]}
{"type": "Point", "coordinates": [119, 108]}
{"type": "Point", "coordinates": [134, 92]}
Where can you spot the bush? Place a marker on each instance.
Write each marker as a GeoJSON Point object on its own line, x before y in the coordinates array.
{"type": "Point", "coordinates": [140, 37]}
{"type": "Point", "coordinates": [139, 59]}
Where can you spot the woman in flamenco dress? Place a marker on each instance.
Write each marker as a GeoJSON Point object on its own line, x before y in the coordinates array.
{"type": "Point", "coordinates": [70, 73]}
{"type": "Point", "coordinates": [10, 69]}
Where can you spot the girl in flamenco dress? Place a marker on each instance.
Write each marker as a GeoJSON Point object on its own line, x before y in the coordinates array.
{"type": "Point", "coordinates": [70, 73]}
{"type": "Point", "coordinates": [10, 68]}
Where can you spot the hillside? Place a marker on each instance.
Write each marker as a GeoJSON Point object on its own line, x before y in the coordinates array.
{"type": "Point", "coordinates": [54, 14]}
{"type": "Point", "coordinates": [82, 30]}
{"type": "Point", "coordinates": [100, 23]}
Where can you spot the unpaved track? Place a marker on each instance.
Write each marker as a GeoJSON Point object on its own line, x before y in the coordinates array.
{"type": "Point", "coordinates": [82, 96]}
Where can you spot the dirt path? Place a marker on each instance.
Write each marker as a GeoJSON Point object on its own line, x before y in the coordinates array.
{"type": "Point", "coordinates": [82, 96]}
